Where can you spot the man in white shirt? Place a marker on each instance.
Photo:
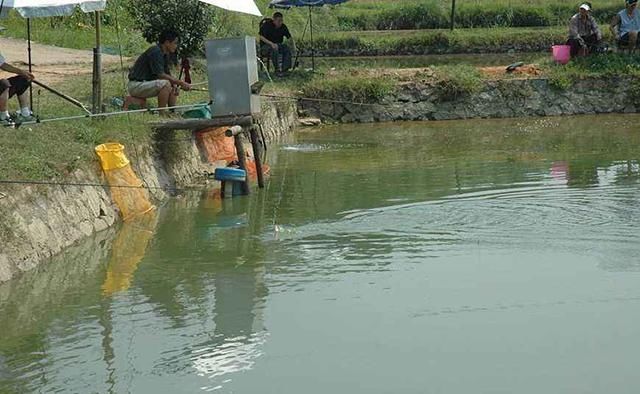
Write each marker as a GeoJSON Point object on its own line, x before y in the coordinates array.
{"type": "Point", "coordinates": [17, 85]}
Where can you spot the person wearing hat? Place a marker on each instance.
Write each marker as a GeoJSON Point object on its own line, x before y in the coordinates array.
{"type": "Point", "coordinates": [584, 32]}
{"type": "Point", "coordinates": [626, 25]}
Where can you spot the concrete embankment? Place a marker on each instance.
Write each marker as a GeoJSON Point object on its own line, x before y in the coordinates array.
{"type": "Point", "coordinates": [40, 221]}
{"type": "Point", "coordinates": [424, 100]}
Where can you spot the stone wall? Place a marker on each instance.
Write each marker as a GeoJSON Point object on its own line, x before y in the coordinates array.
{"type": "Point", "coordinates": [496, 99]}
{"type": "Point", "coordinates": [39, 222]}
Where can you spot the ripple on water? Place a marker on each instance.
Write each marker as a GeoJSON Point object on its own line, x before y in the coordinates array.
{"type": "Point", "coordinates": [233, 355]}
{"type": "Point", "coordinates": [526, 216]}
{"type": "Point", "coordinates": [307, 148]}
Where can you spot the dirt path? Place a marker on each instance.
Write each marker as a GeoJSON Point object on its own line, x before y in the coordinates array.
{"type": "Point", "coordinates": [52, 63]}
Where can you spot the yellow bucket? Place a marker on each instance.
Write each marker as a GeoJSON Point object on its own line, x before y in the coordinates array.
{"type": "Point", "coordinates": [112, 156]}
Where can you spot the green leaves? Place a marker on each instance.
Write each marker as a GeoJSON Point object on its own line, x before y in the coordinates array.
{"type": "Point", "coordinates": [191, 19]}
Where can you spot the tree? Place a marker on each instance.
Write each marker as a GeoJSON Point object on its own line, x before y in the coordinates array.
{"type": "Point", "coordinates": [191, 19]}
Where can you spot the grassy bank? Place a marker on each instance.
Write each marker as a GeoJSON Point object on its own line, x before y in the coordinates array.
{"type": "Point", "coordinates": [53, 150]}
{"type": "Point", "coordinates": [78, 31]}
{"type": "Point", "coordinates": [451, 81]}
{"type": "Point", "coordinates": [436, 14]}
{"type": "Point", "coordinates": [331, 22]}
{"type": "Point", "coordinates": [423, 42]}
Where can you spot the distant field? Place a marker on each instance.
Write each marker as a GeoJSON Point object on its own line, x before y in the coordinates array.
{"type": "Point", "coordinates": [600, 3]}
{"type": "Point", "coordinates": [349, 18]}
{"type": "Point", "coordinates": [431, 14]}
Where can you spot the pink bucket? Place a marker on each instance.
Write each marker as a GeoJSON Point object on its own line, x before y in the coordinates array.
{"type": "Point", "coordinates": [561, 53]}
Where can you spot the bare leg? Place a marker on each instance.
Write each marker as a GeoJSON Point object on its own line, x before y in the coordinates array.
{"type": "Point", "coordinates": [23, 99]}
{"type": "Point", "coordinates": [164, 96]}
{"type": "Point", "coordinates": [633, 41]}
{"type": "Point", "coordinates": [173, 97]}
{"type": "Point", "coordinates": [4, 99]}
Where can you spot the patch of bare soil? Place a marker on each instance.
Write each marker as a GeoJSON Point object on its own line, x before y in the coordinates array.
{"type": "Point", "coordinates": [526, 71]}
{"type": "Point", "coordinates": [49, 63]}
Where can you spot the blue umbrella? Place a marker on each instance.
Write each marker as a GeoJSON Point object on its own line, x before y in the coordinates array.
{"type": "Point", "coordinates": [306, 3]}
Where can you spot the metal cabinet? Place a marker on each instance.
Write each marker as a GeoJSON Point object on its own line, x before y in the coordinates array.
{"type": "Point", "coordinates": [232, 68]}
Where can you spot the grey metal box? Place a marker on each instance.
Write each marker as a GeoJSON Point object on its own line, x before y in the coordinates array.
{"type": "Point", "coordinates": [232, 68]}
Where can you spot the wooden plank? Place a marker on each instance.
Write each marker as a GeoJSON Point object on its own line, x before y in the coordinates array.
{"type": "Point", "coordinates": [199, 124]}
{"type": "Point", "coordinates": [242, 160]}
{"type": "Point", "coordinates": [257, 156]}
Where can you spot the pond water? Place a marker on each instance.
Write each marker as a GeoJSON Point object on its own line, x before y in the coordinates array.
{"type": "Point", "coordinates": [442, 257]}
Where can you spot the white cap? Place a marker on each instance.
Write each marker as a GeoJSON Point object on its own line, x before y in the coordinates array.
{"type": "Point", "coordinates": [585, 7]}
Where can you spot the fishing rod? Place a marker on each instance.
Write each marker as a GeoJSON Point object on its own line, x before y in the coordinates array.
{"type": "Point", "coordinates": [62, 95]}
{"type": "Point", "coordinates": [296, 62]}
{"type": "Point", "coordinates": [108, 114]}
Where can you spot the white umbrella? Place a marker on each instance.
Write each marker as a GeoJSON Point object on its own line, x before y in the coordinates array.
{"type": "Point", "coordinates": [244, 6]}
{"type": "Point", "coordinates": [44, 8]}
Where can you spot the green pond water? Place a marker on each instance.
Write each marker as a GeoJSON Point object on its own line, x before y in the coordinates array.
{"type": "Point", "coordinates": [442, 257]}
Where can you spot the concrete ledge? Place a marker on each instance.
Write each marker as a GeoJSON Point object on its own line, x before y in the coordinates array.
{"type": "Point", "coordinates": [505, 98]}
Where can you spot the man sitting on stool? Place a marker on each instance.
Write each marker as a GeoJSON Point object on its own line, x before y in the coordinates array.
{"type": "Point", "coordinates": [626, 25]}
{"type": "Point", "coordinates": [16, 85]}
{"type": "Point", "coordinates": [584, 33]}
{"type": "Point", "coordinates": [272, 35]}
{"type": "Point", "coordinates": [150, 75]}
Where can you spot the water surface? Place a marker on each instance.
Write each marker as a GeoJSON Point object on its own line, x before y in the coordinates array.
{"type": "Point", "coordinates": [440, 257]}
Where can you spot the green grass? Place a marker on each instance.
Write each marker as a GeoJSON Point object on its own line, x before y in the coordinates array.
{"type": "Point", "coordinates": [450, 81]}
{"type": "Point", "coordinates": [597, 66]}
{"type": "Point", "coordinates": [434, 14]}
{"type": "Point", "coordinates": [77, 31]}
{"type": "Point", "coordinates": [349, 88]}
{"type": "Point", "coordinates": [423, 42]}
{"type": "Point", "coordinates": [453, 82]}
{"type": "Point", "coordinates": [54, 150]}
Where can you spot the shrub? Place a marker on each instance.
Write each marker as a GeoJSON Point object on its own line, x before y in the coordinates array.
{"type": "Point", "coordinates": [455, 81]}
{"type": "Point", "coordinates": [352, 89]}
{"type": "Point", "coordinates": [189, 18]}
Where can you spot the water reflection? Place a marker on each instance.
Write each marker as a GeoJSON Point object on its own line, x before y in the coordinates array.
{"type": "Point", "coordinates": [364, 240]}
{"type": "Point", "coordinates": [198, 265]}
{"type": "Point", "coordinates": [36, 307]}
{"type": "Point", "coordinates": [128, 250]}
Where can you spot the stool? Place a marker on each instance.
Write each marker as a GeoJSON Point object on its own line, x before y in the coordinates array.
{"type": "Point", "coordinates": [231, 179]}
{"type": "Point", "coordinates": [136, 101]}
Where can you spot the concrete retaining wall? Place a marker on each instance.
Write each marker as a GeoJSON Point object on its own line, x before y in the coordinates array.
{"type": "Point", "coordinates": [497, 99]}
{"type": "Point", "coordinates": [38, 222]}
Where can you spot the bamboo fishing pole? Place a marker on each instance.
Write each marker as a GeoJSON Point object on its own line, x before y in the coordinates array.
{"type": "Point", "coordinates": [62, 95]}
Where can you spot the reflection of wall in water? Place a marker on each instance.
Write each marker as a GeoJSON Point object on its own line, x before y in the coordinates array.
{"type": "Point", "coordinates": [55, 292]}
{"type": "Point", "coordinates": [204, 270]}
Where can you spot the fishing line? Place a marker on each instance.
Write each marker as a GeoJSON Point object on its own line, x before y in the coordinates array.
{"type": "Point", "coordinates": [124, 91]}
{"type": "Point", "coordinates": [89, 184]}
{"type": "Point", "coordinates": [189, 106]}
{"type": "Point", "coordinates": [321, 100]}
{"type": "Point", "coordinates": [108, 114]}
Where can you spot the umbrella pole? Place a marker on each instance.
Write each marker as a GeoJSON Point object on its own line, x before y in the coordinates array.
{"type": "Point", "coordinates": [29, 60]}
{"type": "Point", "coordinates": [453, 14]}
{"type": "Point", "coordinates": [313, 48]}
{"type": "Point", "coordinates": [304, 34]}
{"type": "Point", "coordinates": [97, 68]}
